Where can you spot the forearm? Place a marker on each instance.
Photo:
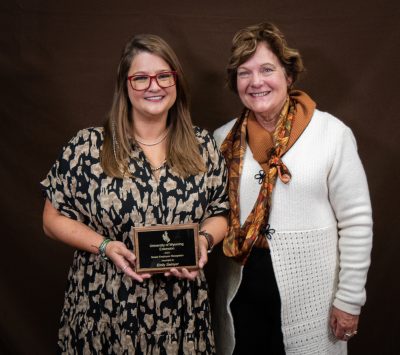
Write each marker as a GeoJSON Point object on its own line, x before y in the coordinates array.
{"type": "Point", "coordinates": [350, 200]}
{"type": "Point", "coordinates": [355, 243]}
{"type": "Point", "coordinates": [354, 260]}
{"type": "Point", "coordinates": [217, 226]}
{"type": "Point", "coordinates": [69, 231]}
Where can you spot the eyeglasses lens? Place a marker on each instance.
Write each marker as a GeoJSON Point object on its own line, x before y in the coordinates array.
{"type": "Point", "coordinates": [165, 79]}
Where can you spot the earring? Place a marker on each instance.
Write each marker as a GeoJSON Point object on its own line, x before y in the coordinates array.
{"type": "Point", "coordinates": [115, 144]}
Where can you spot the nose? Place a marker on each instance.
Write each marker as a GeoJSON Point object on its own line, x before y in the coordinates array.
{"type": "Point", "coordinates": [153, 84]}
{"type": "Point", "coordinates": [256, 79]}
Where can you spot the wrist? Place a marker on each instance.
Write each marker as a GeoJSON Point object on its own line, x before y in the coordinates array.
{"type": "Point", "coordinates": [102, 248]}
{"type": "Point", "coordinates": [210, 240]}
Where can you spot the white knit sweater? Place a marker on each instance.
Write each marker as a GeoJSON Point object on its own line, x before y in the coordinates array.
{"type": "Point", "coordinates": [321, 248]}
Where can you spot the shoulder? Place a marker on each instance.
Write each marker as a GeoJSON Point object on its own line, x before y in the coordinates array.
{"type": "Point", "coordinates": [203, 136]}
{"type": "Point", "coordinates": [335, 132]}
{"type": "Point", "coordinates": [86, 142]}
{"type": "Point", "coordinates": [221, 132]}
{"type": "Point", "coordinates": [329, 122]}
{"type": "Point", "coordinates": [201, 133]}
{"type": "Point", "coordinates": [208, 146]}
{"type": "Point", "coordinates": [330, 127]}
{"type": "Point", "coordinates": [91, 134]}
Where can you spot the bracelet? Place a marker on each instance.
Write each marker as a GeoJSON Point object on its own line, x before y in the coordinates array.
{"type": "Point", "coordinates": [102, 248]}
{"type": "Point", "coordinates": [210, 240]}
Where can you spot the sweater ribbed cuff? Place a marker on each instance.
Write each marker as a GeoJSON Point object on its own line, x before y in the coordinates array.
{"type": "Point", "coordinates": [347, 307]}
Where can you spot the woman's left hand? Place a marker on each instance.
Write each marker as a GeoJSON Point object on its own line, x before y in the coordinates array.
{"type": "Point", "coordinates": [191, 275]}
{"type": "Point", "coordinates": [344, 325]}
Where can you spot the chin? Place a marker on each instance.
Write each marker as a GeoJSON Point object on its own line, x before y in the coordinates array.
{"type": "Point", "coordinates": [261, 109]}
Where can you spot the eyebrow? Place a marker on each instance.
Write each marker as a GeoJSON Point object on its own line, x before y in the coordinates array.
{"type": "Point", "coordinates": [142, 72]}
{"type": "Point", "coordinates": [262, 65]}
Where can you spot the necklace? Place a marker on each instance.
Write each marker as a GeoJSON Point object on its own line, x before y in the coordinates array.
{"type": "Point", "coordinates": [158, 167]}
{"type": "Point", "coordinates": [152, 144]}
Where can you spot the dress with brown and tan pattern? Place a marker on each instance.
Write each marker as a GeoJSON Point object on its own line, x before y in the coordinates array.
{"type": "Point", "coordinates": [106, 312]}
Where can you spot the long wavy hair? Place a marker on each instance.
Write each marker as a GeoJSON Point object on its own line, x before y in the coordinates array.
{"type": "Point", "coordinates": [183, 153]}
{"type": "Point", "coordinates": [244, 45]}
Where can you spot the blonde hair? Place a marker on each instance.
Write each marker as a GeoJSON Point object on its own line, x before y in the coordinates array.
{"type": "Point", "coordinates": [183, 153]}
{"type": "Point", "coordinates": [244, 45]}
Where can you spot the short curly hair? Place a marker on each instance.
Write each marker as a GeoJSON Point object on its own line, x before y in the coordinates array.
{"type": "Point", "coordinates": [244, 45]}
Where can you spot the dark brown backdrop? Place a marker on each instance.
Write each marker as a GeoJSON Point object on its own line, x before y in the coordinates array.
{"type": "Point", "coordinates": [57, 64]}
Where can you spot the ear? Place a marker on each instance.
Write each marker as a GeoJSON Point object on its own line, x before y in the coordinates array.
{"type": "Point", "coordinates": [289, 81]}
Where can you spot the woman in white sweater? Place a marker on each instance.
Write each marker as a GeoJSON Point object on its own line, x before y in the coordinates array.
{"type": "Point", "coordinates": [292, 277]}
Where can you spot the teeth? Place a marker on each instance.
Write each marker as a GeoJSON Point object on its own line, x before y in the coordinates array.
{"type": "Point", "coordinates": [258, 94]}
{"type": "Point", "coordinates": [155, 98]}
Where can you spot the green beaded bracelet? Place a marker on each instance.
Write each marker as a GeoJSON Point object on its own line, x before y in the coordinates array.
{"type": "Point", "coordinates": [102, 248]}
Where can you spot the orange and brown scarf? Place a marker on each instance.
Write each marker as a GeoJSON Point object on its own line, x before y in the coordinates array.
{"type": "Point", "coordinates": [240, 240]}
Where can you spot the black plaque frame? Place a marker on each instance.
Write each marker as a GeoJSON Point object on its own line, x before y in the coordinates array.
{"type": "Point", "coordinates": [160, 248]}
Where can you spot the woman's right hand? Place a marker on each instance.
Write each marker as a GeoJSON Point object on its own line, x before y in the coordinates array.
{"type": "Point", "coordinates": [124, 259]}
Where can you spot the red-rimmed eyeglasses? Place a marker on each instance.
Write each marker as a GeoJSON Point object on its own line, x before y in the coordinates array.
{"type": "Point", "coordinates": [140, 82]}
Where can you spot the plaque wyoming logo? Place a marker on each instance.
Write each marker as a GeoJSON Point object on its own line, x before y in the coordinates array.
{"type": "Point", "coordinates": [165, 237]}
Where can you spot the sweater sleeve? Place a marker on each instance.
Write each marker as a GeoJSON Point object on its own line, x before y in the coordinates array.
{"type": "Point", "coordinates": [349, 197]}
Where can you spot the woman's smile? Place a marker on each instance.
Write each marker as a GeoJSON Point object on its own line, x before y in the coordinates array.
{"type": "Point", "coordinates": [259, 94]}
{"type": "Point", "coordinates": [154, 98]}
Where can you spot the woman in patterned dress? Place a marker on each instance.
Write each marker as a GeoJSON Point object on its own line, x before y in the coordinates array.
{"type": "Point", "coordinates": [148, 165]}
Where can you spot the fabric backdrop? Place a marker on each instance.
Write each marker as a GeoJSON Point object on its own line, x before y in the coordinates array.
{"type": "Point", "coordinates": [58, 63]}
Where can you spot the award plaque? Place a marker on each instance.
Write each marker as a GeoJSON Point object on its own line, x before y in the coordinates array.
{"type": "Point", "coordinates": [160, 248]}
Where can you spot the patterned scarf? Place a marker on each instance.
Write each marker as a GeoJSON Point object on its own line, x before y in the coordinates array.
{"type": "Point", "coordinates": [240, 240]}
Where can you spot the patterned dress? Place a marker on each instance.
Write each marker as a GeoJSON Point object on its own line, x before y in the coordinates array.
{"type": "Point", "coordinates": [106, 312]}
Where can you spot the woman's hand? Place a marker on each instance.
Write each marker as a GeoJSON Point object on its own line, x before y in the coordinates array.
{"type": "Point", "coordinates": [124, 259]}
{"type": "Point", "coordinates": [344, 325]}
{"type": "Point", "coordinates": [184, 273]}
